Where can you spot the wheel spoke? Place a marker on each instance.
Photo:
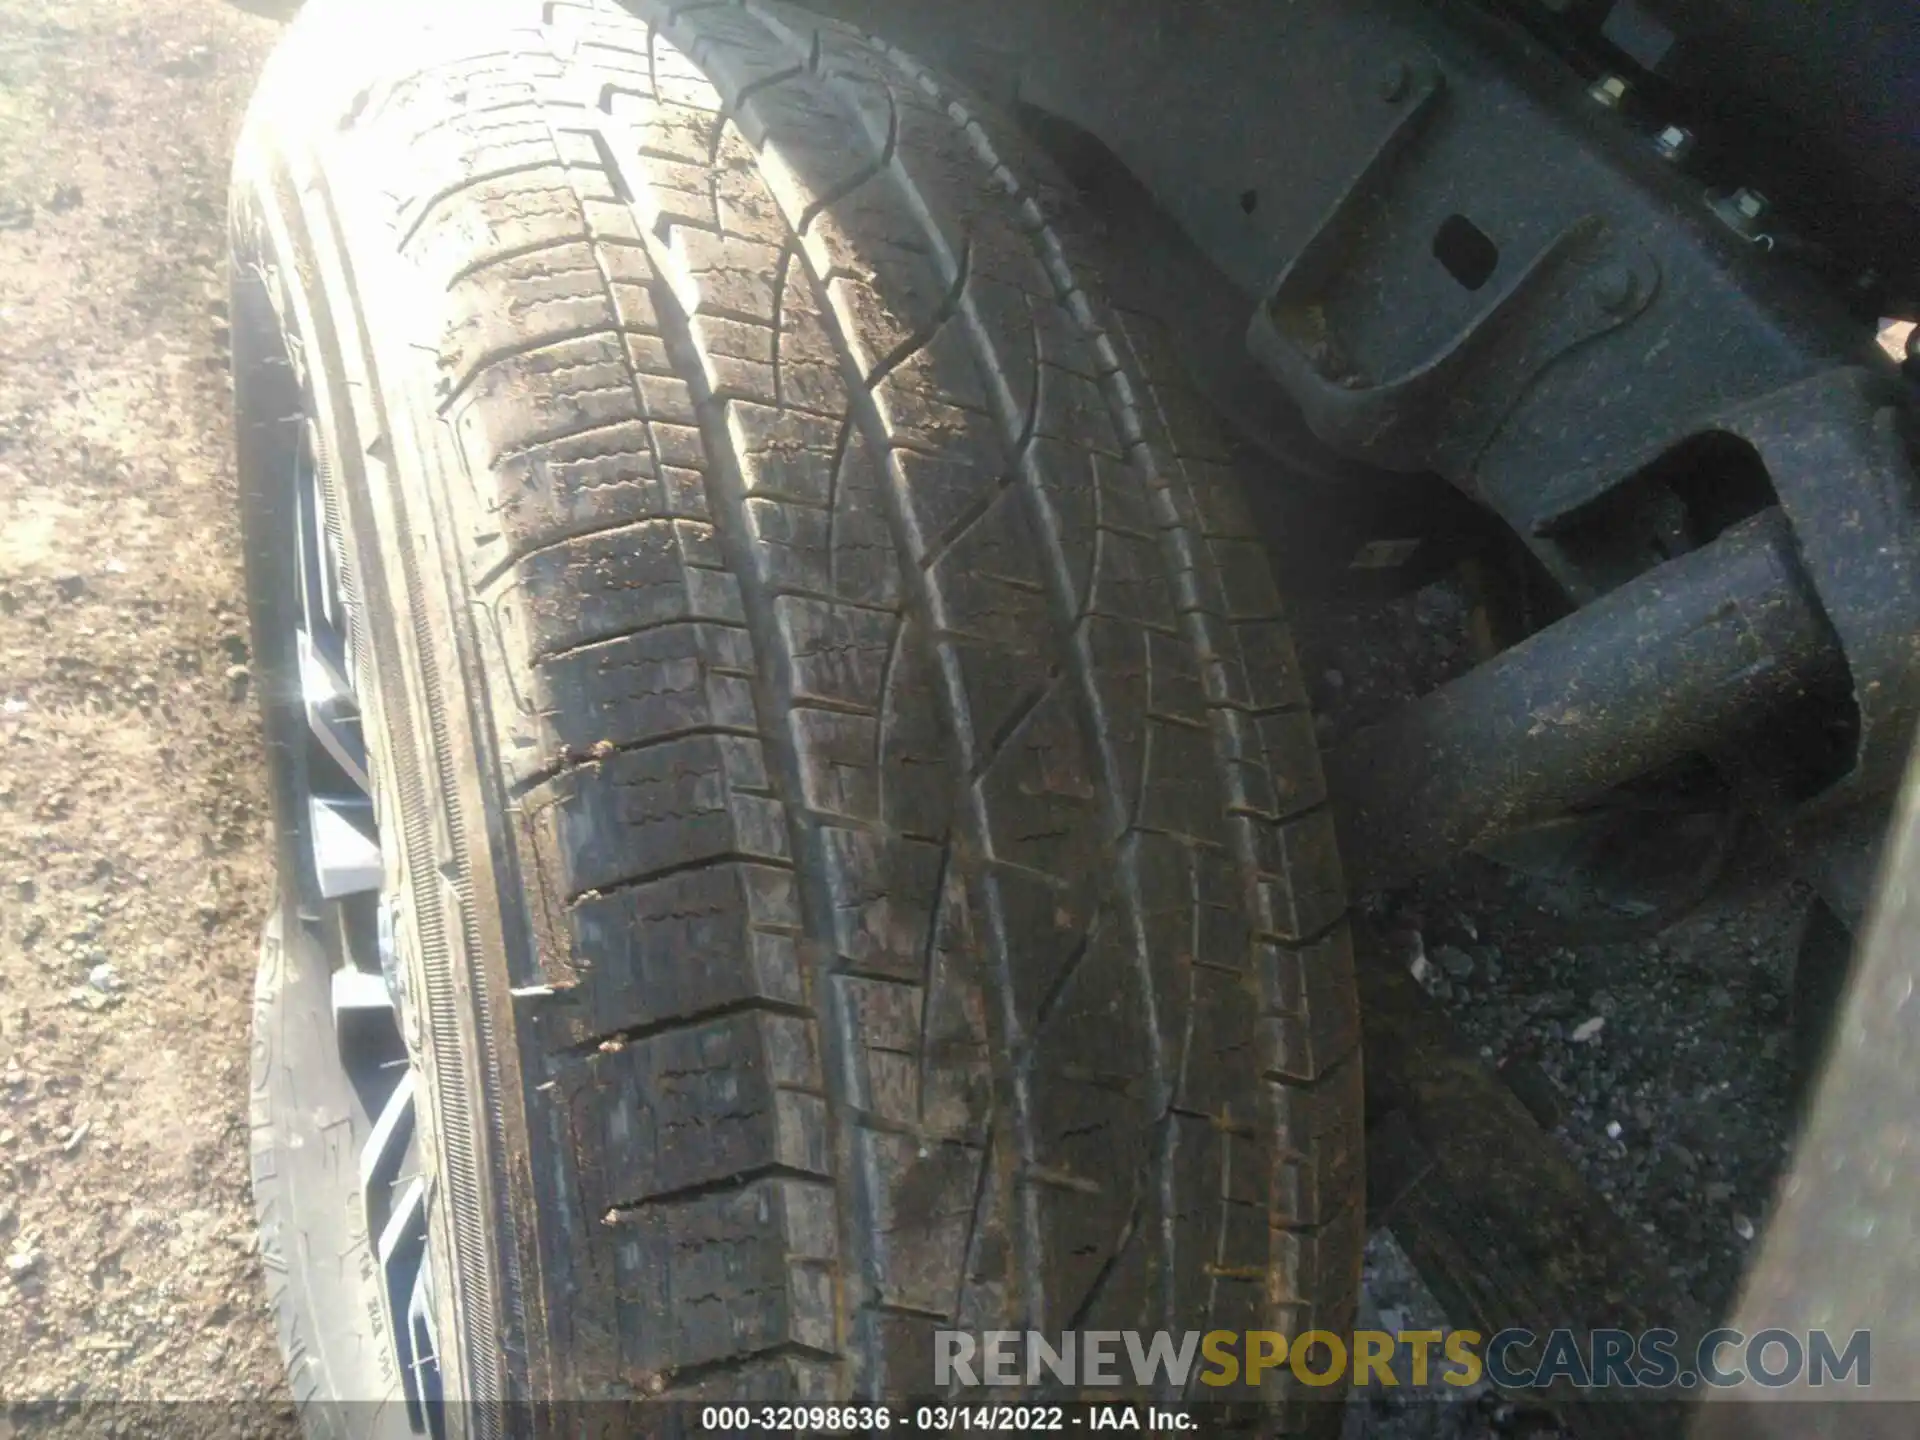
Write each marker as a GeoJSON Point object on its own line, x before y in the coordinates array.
{"type": "Point", "coordinates": [346, 858]}
{"type": "Point", "coordinates": [332, 714]}
{"type": "Point", "coordinates": [386, 1148]}
{"type": "Point", "coordinates": [402, 1250]}
{"type": "Point", "coordinates": [424, 1343]}
{"type": "Point", "coordinates": [349, 871]}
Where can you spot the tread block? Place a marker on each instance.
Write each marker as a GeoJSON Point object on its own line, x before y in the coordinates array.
{"type": "Point", "coordinates": [627, 963]}
{"type": "Point", "coordinates": [786, 454]}
{"type": "Point", "coordinates": [1300, 890]}
{"type": "Point", "coordinates": [989, 585]}
{"type": "Point", "coordinates": [1312, 1019]}
{"type": "Point", "coordinates": [957, 1101]}
{"type": "Point", "coordinates": [1260, 671]}
{"type": "Point", "coordinates": [706, 1279]}
{"type": "Point", "coordinates": [626, 691]}
{"type": "Point", "coordinates": [1230, 1235]}
{"type": "Point", "coordinates": [884, 890]}
{"type": "Point", "coordinates": [1040, 789]}
{"type": "Point", "coordinates": [782, 1379]}
{"type": "Point", "coordinates": [839, 652]}
{"type": "Point", "coordinates": [1093, 1106]}
{"type": "Point", "coordinates": [927, 1212]}
{"type": "Point", "coordinates": [1180, 795]}
{"type": "Point", "coordinates": [862, 564]}
{"type": "Point", "coordinates": [838, 773]}
{"type": "Point", "coordinates": [1046, 926]}
{"type": "Point", "coordinates": [1129, 581]}
{"type": "Point", "coordinates": [961, 470]}
{"type": "Point", "coordinates": [600, 587]}
{"type": "Point", "coordinates": [883, 1020]}
{"type": "Point", "coordinates": [697, 1107]}
{"type": "Point", "coordinates": [488, 217]}
{"type": "Point", "coordinates": [638, 813]}
{"type": "Point", "coordinates": [1317, 1153]}
{"type": "Point", "coordinates": [916, 781]}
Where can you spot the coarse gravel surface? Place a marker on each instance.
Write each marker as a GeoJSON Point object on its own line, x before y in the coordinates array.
{"type": "Point", "coordinates": [133, 863]}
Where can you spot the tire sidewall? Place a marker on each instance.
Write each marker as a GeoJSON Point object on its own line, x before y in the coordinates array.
{"type": "Point", "coordinates": [307, 1131]}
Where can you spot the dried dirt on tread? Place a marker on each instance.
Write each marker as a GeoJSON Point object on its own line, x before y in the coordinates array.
{"type": "Point", "coordinates": [132, 801]}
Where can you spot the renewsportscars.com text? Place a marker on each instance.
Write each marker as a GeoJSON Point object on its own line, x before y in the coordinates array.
{"type": "Point", "coordinates": [1510, 1359]}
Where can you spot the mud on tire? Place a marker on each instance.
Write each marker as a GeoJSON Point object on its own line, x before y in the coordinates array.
{"type": "Point", "coordinates": [864, 844]}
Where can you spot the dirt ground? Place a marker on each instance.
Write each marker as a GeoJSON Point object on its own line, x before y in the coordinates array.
{"type": "Point", "coordinates": [133, 866]}
{"type": "Point", "coordinates": [133, 852]}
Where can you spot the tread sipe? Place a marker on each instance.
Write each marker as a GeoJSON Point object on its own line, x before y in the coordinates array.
{"type": "Point", "coordinates": [920, 906]}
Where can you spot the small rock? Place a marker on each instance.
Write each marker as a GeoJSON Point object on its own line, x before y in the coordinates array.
{"type": "Point", "coordinates": [72, 1142]}
{"type": "Point", "coordinates": [1588, 1030]}
{"type": "Point", "coordinates": [64, 198]}
{"type": "Point", "coordinates": [102, 978]}
{"type": "Point", "coordinates": [1717, 1192]}
{"type": "Point", "coordinates": [70, 587]}
{"type": "Point", "coordinates": [14, 705]}
{"type": "Point", "coordinates": [22, 1262]}
{"type": "Point", "coordinates": [1613, 1129]}
{"type": "Point", "coordinates": [1423, 970]}
{"type": "Point", "coordinates": [1743, 1227]}
{"type": "Point", "coordinates": [1456, 962]}
{"type": "Point", "coordinates": [1335, 680]}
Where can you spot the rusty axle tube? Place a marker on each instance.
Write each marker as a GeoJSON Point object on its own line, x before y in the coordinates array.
{"type": "Point", "coordinates": [1674, 662]}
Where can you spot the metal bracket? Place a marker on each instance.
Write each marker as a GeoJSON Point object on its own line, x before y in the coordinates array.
{"type": "Point", "coordinates": [1441, 410]}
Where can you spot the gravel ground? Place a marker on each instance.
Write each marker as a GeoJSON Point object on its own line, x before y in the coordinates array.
{"type": "Point", "coordinates": [133, 873]}
{"type": "Point", "coordinates": [133, 869]}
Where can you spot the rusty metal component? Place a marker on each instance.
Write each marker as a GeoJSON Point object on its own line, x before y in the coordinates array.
{"type": "Point", "coordinates": [1842, 1251]}
{"type": "Point", "coordinates": [1832, 447]}
{"type": "Point", "coordinates": [1671, 663]}
{"type": "Point", "coordinates": [1831, 450]}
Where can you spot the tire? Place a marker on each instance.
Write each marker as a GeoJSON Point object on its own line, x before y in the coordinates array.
{"type": "Point", "coordinates": [859, 855]}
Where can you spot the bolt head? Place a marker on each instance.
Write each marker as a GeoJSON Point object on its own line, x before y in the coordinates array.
{"type": "Point", "coordinates": [1615, 287]}
{"type": "Point", "coordinates": [1674, 141]}
{"type": "Point", "coordinates": [1608, 90]}
{"type": "Point", "coordinates": [1750, 203]}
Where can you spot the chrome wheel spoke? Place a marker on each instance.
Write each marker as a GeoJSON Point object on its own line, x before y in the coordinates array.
{"type": "Point", "coordinates": [403, 1261]}
{"type": "Point", "coordinates": [346, 851]}
{"type": "Point", "coordinates": [356, 920]}
{"type": "Point", "coordinates": [424, 1343]}
{"type": "Point", "coordinates": [332, 714]}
